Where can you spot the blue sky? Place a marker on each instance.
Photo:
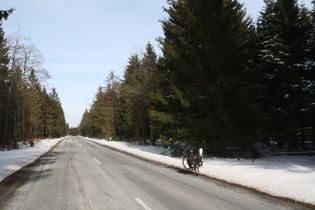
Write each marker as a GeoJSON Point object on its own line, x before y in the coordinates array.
{"type": "Point", "coordinates": [83, 40]}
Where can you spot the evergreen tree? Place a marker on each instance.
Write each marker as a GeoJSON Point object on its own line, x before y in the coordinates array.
{"type": "Point", "coordinates": [4, 14]}
{"type": "Point", "coordinates": [282, 29]}
{"type": "Point", "coordinates": [84, 124]}
{"type": "Point", "coordinates": [15, 124]}
{"type": "Point", "coordinates": [203, 67]}
{"type": "Point", "coordinates": [34, 102]}
{"type": "Point", "coordinates": [27, 112]}
{"type": "Point", "coordinates": [111, 97]}
{"type": "Point", "coordinates": [151, 85]}
{"type": "Point", "coordinates": [133, 95]}
{"type": "Point", "coordinates": [4, 79]}
{"type": "Point", "coordinates": [309, 81]}
{"type": "Point", "coordinates": [139, 85]}
{"type": "Point", "coordinates": [97, 115]}
{"type": "Point", "coordinates": [102, 116]}
{"type": "Point", "coordinates": [101, 120]}
{"type": "Point", "coordinates": [56, 124]}
{"type": "Point", "coordinates": [44, 106]}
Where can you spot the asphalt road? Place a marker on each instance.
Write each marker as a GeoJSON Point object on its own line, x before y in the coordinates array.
{"type": "Point", "coordinates": [78, 174]}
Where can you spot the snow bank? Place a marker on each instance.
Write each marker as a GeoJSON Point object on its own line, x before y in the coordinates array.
{"type": "Point", "coordinates": [290, 177]}
{"type": "Point", "coordinates": [13, 160]}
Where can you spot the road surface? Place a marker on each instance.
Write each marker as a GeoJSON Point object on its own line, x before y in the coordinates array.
{"type": "Point", "coordinates": [79, 174]}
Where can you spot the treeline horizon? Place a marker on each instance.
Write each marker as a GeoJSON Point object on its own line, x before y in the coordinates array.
{"type": "Point", "coordinates": [222, 80]}
{"type": "Point", "coordinates": [27, 111]}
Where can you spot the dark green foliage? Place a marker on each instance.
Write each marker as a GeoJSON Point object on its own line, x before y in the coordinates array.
{"type": "Point", "coordinates": [221, 81]}
{"type": "Point", "coordinates": [4, 14]}
{"type": "Point", "coordinates": [27, 111]}
{"type": "Point", "coordinates": [101, 120]}
{"type": "Point", "coordinates": [281, 73]}
{"type": "Point", "coordinates": [141, 81]}
{"type": "Point", "coordinates": [84, 124]}
{"type": "Point", "coordinates": [133, 96]}
{"type": "Point", "coordinates": [121, 109]}
{"type": "Point", "coordinates": [310, 76]}
{"type": "Point", "coordinates": [73, 131]}
{"type": "Point", "coordinates": [4, 79]}
{"type": "Point", "coordinates": [55, 120]}
{"type": "Point", "coordinates": [203, 66]}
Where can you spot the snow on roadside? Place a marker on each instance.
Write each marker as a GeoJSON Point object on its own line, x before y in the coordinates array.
{"type": "Point", "coordinates": [13, 160]}
{"type": "Point", "coordinates": [283, 176]}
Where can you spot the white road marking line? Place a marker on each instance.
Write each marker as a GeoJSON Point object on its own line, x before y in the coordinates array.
{"type": "Point", "coordinates": [143, 204]}
{"type": "Point", "coordinates": [97, 161]}
{"type": "Point", "coordinates": [84, 148]}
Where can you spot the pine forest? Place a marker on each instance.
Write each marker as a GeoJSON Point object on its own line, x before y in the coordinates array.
{"type": "Point", "coordinates": [223, 79]}
{"type": "Point", "coordinates": [27, 111]}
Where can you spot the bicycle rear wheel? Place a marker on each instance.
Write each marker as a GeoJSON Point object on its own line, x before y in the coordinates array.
{"type": "Point", "coordinates": [185, 163]}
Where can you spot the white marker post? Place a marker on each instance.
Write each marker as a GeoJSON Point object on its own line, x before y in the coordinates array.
{"type": "Point", "coordinates": [201, 151]}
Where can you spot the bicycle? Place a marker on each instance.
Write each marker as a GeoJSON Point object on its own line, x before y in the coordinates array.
{"type": "Point", "coordinates": [188, 153]}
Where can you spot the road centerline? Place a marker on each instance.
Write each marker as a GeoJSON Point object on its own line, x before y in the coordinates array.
{"type": "Point", "coordinates": [143, 204]}
{"type": "Point", "coordinates": [96, 161]}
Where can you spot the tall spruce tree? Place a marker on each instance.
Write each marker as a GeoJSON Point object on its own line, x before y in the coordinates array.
{"type": "Point", "coordinates": [56, 123]}
{"type": "Point", "coordinates": [310, 69]}
{"type": "Point", "coordinates": [96, 116]}
{"type": "Point", "coordinates": [111, 98]}
{"type": "Point", "coordinates": [34, 106]}
{"type": "Point", "coordinates": [84, 126]}
{"type": "Point", "coordinates": [101, 120]}
{"type": "Point", "coordinates": [282, 30]}
{"type": "Point", "coordinates": [44, 111]}
{"type": "Point", "coordinates": [4, 14]}
{"type": "Point", "coordinates": [151, 84]}
{"type": "Point", "coordinates": [203, 67]}
{"type": "Point", "coordinates": [4, 77]}
{"type": "Point", "coordinates": [133, 95]}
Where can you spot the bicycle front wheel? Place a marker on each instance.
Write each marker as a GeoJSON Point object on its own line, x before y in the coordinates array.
{"type": "Point", "coordinates": [185, 163]}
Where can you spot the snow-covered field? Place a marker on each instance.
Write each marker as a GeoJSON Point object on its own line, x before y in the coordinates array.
{"type": "Point", "coordinates": [284, 176]}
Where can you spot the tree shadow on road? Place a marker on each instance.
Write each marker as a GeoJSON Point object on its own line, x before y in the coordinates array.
{"type": "Point", "coordinates": [30, 173]}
